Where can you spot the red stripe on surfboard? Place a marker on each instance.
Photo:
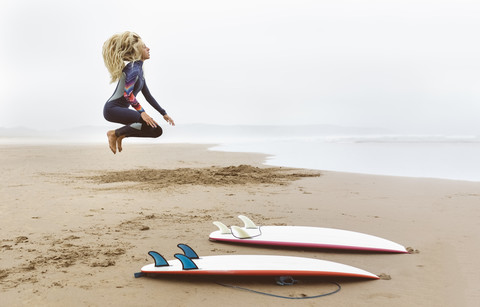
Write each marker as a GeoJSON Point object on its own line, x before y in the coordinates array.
{"type": "Point", "coordinates": [308, 245]}
{"type": "Point", "coordinates": [260, 273]}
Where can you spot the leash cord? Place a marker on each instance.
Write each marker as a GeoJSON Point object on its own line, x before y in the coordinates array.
{"type": "Point", "coordinates": [280, 296]}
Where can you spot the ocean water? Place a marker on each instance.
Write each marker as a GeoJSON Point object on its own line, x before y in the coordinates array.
{"type": "Point", "coordinates": [455, 158]}
{"type": "Point", "coordinates": [315, 147]}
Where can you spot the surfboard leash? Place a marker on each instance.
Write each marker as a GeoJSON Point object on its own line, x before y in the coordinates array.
{"type": "Point", "coordinates": [284, 281]}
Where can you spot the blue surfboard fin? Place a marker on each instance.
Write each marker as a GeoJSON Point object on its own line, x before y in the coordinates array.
{"type": "Point", "coordinates": [188, 251]}
{"type": "Point", "coordinates": [159, 260]}
{"type": "Point", "coordinates": [187, 263]}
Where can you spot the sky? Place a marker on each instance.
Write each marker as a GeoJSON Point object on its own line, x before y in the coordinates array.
{"type": "Point", "coordinates": [408, 66]}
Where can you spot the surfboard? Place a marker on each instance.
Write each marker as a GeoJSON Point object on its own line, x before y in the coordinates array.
{"type": "Point", "coordinates": [302, 236]}
{"type": "Point", "coordinates": [190, 263]}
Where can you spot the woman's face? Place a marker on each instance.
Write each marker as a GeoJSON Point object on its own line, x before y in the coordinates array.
{"type": "Point", "coordinates": [145, 52]}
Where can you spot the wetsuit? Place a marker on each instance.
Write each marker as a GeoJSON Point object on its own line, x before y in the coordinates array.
{"type": "Point", "coordinates": [117, 107]}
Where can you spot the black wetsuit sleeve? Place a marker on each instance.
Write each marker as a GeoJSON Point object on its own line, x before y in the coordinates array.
{"type": "Point", "coordinates": [151, 100]}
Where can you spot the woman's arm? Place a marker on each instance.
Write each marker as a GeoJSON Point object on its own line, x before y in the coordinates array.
{"type": "Point", "coordinates": [154, 103]}
{"type": "Point", "coordinates": [151, 100]}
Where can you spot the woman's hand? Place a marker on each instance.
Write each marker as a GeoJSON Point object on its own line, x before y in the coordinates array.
{"type": "Point", "coordinates": [150, 121]}
{"type": "Point", "coordinates": [169, 119]}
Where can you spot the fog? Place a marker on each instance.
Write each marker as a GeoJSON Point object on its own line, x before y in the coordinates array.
{"type": "Point", "coordinates": [407, 66]}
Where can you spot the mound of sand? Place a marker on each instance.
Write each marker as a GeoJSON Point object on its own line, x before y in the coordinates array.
{"type": "Point", "coordinates": [214, 176]}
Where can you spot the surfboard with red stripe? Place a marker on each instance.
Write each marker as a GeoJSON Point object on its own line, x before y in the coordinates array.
{"type": "Point", "coordinates": [265, 265]}
{"type": "Point", "coordinates": [303, 236]}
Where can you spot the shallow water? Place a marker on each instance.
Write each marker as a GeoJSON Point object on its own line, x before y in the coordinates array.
{"type": "Point", "coordinates": [422, 157]}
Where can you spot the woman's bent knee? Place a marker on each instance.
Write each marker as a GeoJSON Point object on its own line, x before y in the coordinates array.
{"type": "Point", "coordinates": [157, 132]}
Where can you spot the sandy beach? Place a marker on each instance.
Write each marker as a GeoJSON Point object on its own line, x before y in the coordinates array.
{"type": "Point", "coordinates": [78, 221]}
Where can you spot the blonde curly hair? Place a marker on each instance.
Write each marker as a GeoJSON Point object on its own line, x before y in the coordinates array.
{"type": "Point", "coordinates": [126, 46]}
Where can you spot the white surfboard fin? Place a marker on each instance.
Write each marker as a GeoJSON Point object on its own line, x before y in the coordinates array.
{"type": "Point", "coordinates": [223, 229]}
{"type": "Point", "coordinates": [240, 233]}
{"type": "Point", "coordinates": [249, 224]}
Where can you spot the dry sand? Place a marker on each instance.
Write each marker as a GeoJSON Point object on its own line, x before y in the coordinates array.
{"type": "Point", "coordinates": [77, 223]}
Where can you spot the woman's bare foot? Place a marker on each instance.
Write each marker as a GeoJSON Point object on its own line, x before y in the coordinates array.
{"type": "Point", "coordinates": [119, 143]}
{"type": "Point", "coordinates": [112, 141]}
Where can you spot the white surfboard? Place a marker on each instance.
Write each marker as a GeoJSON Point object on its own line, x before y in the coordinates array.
{"type": "Point", "coordinates": [264, 265]}
{"type": "Point", "coordinates": [303, 236]}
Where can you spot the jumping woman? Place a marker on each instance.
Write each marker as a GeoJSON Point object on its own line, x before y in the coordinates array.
{"type": "Point", "coordinates": [118, 49]}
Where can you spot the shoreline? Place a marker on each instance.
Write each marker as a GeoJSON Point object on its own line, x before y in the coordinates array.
{"type": "Point", "coordinates": [68, 240]}
{"type": "Point", "coordinates": [211, 146]}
